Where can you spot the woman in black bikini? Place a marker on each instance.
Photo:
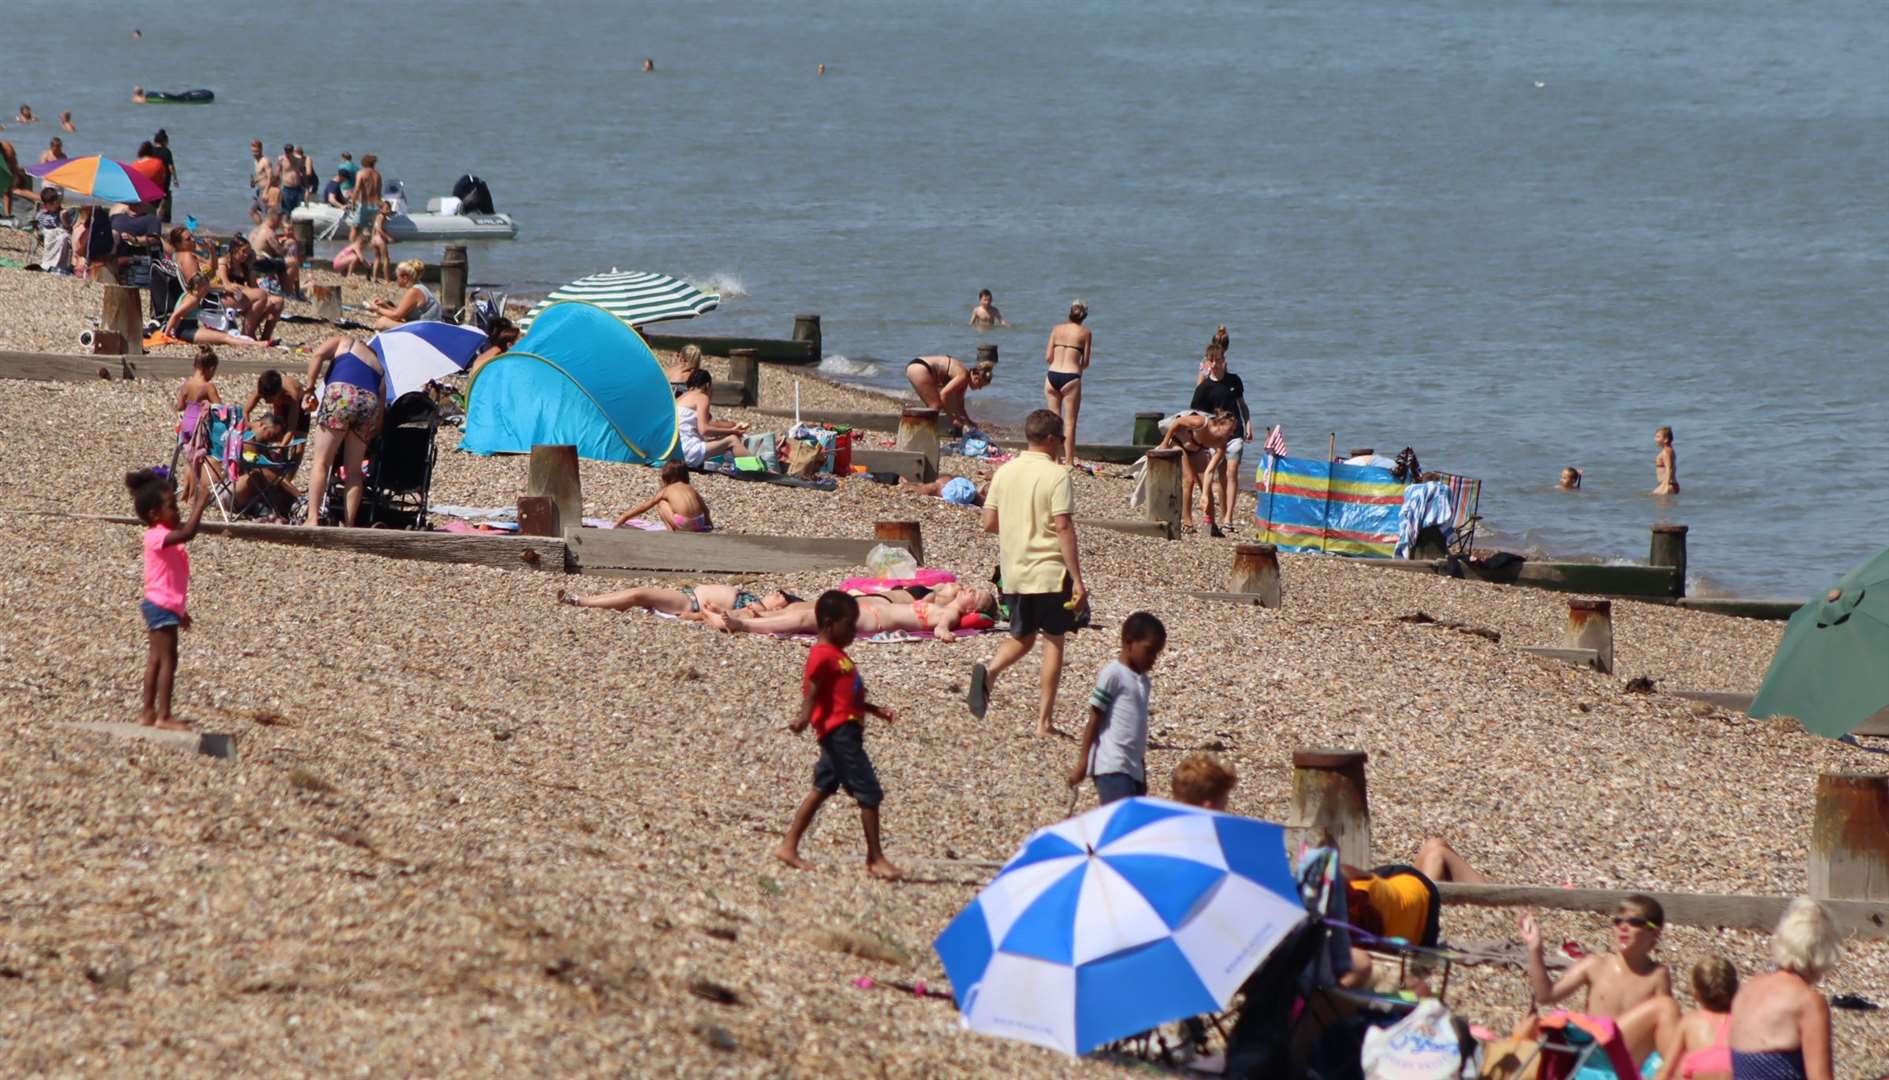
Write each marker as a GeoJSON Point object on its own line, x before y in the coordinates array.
{"type": "Point", "coordinates": [1067, 355]}
{"type": "Point", "coordinates": [941, 382]}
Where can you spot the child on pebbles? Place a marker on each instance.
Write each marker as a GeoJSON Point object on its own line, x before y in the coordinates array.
{"type": "Point", "coordinates": [1114, 744]}
{"type": "Point", "coordinates": [166, 585]}
{"type": "Point", "coordinates": [833, 702]}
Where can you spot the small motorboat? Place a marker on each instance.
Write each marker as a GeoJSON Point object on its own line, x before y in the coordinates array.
{"type": "Point", "coordinates": [198, 96]}
{"type": "Point", "coordinates": [405, 226]}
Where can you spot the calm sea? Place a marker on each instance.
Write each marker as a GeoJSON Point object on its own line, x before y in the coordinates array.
{"type": "Point", "coordinates": [1514, 236]}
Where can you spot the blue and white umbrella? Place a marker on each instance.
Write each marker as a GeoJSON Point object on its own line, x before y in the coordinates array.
{"type": "Point", "coordinates": [419, 352]}
{"type": "Point", "coordinates": [1119, 920]}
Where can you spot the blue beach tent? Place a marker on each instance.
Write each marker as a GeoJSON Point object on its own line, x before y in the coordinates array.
{"type": "Point", "coordinates": [581, 377]}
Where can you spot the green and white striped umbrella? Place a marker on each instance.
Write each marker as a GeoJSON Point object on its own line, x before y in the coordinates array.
{"type": "Point", "coordinates": [635, 298]}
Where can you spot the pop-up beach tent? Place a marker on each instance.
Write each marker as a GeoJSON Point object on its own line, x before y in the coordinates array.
{"type": "Point", "coordinates": [581, 377]}
{"type": "Point", "coordinates": [1310, 505]}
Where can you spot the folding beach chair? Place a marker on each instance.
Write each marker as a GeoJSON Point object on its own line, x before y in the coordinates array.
{"type": "Point", "coordinates": [209, 444]}
{"type": "Point", "coordinates": [277, 463]}
{"type": "Point", "coordinates": [1465, 502]}
{"type": "Point", "coordinates": [1566, 1045]}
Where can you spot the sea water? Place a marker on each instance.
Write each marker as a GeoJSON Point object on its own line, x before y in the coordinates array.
{"type": "Point", "coordinates": [1514, 236]}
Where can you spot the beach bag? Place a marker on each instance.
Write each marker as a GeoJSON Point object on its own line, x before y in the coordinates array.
{"type": "Point", "coordinates": [766, 447]}
{"type": "Point", "coordinates": [1424, 1045]}
{"type": "Point", "coordinates": [804, 458]}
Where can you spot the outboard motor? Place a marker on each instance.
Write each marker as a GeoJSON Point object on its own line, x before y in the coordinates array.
{"type": "Point", "coordinates": [474, 197]}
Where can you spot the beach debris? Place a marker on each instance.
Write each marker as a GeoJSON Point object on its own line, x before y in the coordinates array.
{"type": "Point", "coordinates": [718, 1037]}
{"type": "Point", "coordinates": [709, 990]}
{"type": "Point", "coordinates": [1639, 684]}
{"type": "Point", "coordinates": [865, 946]}
{"type": "Point", "coordinates": [1424, 618]}
{"type": "Point", "coordinates": [115, 977]}
{"type": "Point", "coordinates": [305, 780]}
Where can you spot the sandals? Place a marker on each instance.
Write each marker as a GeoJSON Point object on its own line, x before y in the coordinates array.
{"type": "Point", "coordinates": [979, 697]}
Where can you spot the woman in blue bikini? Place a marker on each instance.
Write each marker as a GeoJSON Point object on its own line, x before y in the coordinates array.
{"type": "Point", "coordinates": [1067, 355]}
{"type": "Point", "coordinates": [1780, 1025]}
{"type": "Point", "coordinates": [353, 403]}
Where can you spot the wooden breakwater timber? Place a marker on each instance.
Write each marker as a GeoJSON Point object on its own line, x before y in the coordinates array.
{"type": "Point", "coordinates": [801, 349]}
{"type": "Point", "coordinates": [1254, 580]}
{"type": "Point", "coordinates": [1848, 863]}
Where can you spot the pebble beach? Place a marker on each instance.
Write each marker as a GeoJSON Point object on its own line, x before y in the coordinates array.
{"type": "Point", "coordinates": [474, 832]}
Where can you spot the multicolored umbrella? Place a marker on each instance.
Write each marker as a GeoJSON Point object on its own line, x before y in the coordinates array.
{"type": "Point", "coordinates": [1118, 920]}
{"type": "Point", "coordinates": [100, 178]}
{"type": "Point", "coordinates": [419, 352]}
{"type": "Point", "coordinates": [633, 297]}
{"type": "Point", "coordinates": [1829, 671]}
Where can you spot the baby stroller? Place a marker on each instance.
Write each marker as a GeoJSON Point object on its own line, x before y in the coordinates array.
{"type": "Point", "coordinates": [1294, 1020]}
{"type": "Point", "coordinates": [399, 467]}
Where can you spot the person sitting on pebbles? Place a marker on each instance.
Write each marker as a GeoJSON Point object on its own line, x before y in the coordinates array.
{"type": "Point", "coordinates": [682, 507]}
{"type": "Point", "coordinates": [684, 603]}
{"type": "Point", "coordinates": [940, 617]}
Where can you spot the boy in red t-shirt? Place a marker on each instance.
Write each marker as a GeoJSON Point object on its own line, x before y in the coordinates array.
{"type": "Point", "coordinates": [833, 701]}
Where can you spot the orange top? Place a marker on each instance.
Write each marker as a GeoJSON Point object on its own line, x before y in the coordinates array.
{"type": "Point", "coordinates": [1400, 900]}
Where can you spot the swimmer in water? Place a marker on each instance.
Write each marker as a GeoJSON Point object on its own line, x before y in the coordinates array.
{"type": "Point", "coordinates": [823, 69]}
{"type": "Point", "coordinates": [985, 315]}
{"type": "Point", "coordinates": [65, 121]}
{"type": "Point", "coordinates": [1570, 479]}
{"type": "Point", "coordinates": [25, 115]}
{"type": "Point", "coordinates": [648, 65]}
{"type": "Point", "coordinates": [1666, 464]}
{"type": "Point", "coordinates": [137, 95]}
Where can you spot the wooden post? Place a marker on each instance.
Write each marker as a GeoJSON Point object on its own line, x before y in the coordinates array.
{"type": "Point", "coordinates": [453, 269]}
{"type": "Point", "coordinates": [907, 531]}
{"type": "Point", "coordinates": [744, 370]}
{"type": "Point", "coordinates": [1164, 488]}
{"type": "Point", "coordinates": [1591, 626]}
{"type": "Point", "coordinates": [538, 516]}
{"type": "Point", "coordinates": [1256, 571]}
{"type": "Point", "coordinates": [327, 301]}
{"type": "Point", "coordinates": [124, 314]}
{"type": "Point", "coordinates": [554, 473]}
{"type": "Point", "coordinates": [1147, 429]}
{"type": "Point", "coordinates": [1669, 549]}
{"type": "Point", "coordinates": [987, 353]}
{"type": "Point", "coordinates": [1849, 838]}
{"type": "Point", "coordinates": [1328, 798]}
{"type": "Point", "coordinates": [304, 238]}
{"type": "Point", "coordinates": [918, 432]}
{"type": "Point", "coordinates": [807, 328]}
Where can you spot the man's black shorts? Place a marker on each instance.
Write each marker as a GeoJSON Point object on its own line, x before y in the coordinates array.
{"type": "Point", "coordinates": [1039, 613]}
{"type": "Point", "coordinates": [843, 764]}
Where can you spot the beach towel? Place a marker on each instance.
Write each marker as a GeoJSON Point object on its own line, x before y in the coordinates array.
{"type": "Point", "coordinates": [926, 577]}
{"type": "Point", "coordinates": [971, 626]}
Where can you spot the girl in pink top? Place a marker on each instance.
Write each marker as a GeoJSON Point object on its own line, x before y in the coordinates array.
{"type": "Point", "coordinates": [166, 585]}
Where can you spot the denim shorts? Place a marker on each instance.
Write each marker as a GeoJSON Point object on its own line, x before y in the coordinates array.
{"type": "Point", "coordinates": [158, 618]}
{"type": "Point", "coordinates": [843, 764]}
{"type": "Point", "coordinates": [1116, 786]}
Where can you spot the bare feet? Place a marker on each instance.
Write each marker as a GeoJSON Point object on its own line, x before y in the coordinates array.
{"type": "Point", "coordinates": [567, 598]}
{"type": "Point", "coordinates": [792, 858]}
{"type": "Point", "coordinates": [171, 723]}
{"type": "Point", "coordinates": [148, 718]}
{"type": "Point", "coordinates": [883, 869]}
{"type": "Point", "coordinates": [1047, 730]}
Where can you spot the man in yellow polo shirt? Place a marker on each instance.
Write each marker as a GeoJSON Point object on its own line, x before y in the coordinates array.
{"type": "Point", "coordinates": [1031, 508]}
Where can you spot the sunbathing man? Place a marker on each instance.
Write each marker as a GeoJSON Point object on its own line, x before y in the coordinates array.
{"type": "Point", "coordinates": [957, 490]}
{"type": "Point", "coordinates": [941, 617]}
{"type": "Point", "coordinates": [684, 603]}
{"type": "Point", "coordinates": [1626, 986]}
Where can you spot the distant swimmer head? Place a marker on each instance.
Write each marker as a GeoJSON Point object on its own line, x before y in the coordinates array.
{"type": "Point", "coordinates": [1078, 311]}
{"type": "Point", "coordinates": [1570, 479]}
{"type": "Point", "coordinates": [648, 64]}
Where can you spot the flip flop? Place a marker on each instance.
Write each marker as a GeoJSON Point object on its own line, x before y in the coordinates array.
{"type": "Point", "coordinates": [979, 698]}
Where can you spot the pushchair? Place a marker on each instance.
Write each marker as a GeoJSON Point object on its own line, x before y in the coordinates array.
{"type": "Point", "coordinates": [398, 468]}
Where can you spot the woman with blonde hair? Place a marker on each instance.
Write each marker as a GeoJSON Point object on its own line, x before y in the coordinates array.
{"type": "Point", "coordinates": [1780, 1023]}
{"type": "Point", "coordinates": [687, 363]}
{"type": "Point", "coordinates": [417, 303]}
{"type": "Point", "coordinates": [1067, 356]}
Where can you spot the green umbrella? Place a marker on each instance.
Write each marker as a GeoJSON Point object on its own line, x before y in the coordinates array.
{"type": "Point", "coordinates": [1831, 671]}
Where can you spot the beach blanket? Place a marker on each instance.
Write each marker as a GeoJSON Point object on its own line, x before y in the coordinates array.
{"type": "Point", "coordinates": [926, 577]}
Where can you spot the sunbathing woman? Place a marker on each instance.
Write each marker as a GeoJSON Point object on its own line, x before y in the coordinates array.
{"type": "Point", "coordinates": [683, 509]}
{"type": "Point", "coordinates": [199, 320]}
{"type": "Point", "coordinates": [958, 490]}
{"type": "Point", "coordinates": [941, 617]}
{"type": "Point", "coordinates": [1202, 440]}
{"type": "Point", "coordinates": [941, 382]}
{"type": "Point", "coordinates": [686, 603]}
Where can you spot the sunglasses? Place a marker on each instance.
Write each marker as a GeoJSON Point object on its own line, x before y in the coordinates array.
{"type": "Point", "coordinates": [1635, 921]}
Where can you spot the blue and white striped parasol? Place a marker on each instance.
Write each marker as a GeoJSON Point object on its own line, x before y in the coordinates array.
{"type": "Point", "coordinates": [635, 298]}
{"type": "Point", "coordinates": [1119, 920]}
{"type": "Point", "coordinates": [419, 352]}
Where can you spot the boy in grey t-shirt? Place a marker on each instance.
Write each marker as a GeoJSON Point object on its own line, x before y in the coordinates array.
{"type": "Point", "coordinates": [1114, 744]}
